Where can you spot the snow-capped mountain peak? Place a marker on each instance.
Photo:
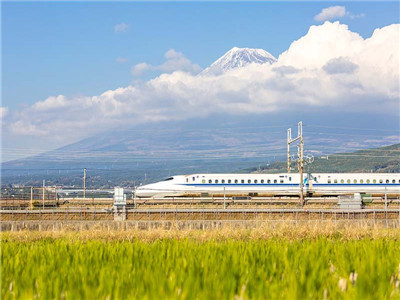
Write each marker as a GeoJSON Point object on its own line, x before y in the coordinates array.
{"type": "Point", "coordinates": [238, 58]}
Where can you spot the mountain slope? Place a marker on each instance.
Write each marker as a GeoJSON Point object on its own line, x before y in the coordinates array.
{"type": "Point", "coordinates": [381, 160]}
{"type": "Point", "coordinates": [238, 58]}
{"type": "Point", "coordinates": [215, 144]}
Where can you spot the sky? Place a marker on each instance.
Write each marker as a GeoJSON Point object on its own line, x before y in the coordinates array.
{"type": "Point", "coordinates": [70, 69]}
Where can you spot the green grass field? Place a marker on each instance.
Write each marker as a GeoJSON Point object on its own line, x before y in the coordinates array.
{"type": "Point", "coordinates": [218, 265]}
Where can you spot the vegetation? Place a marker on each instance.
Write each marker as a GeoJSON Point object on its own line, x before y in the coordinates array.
{"type": "Point", "coordinates": [288, 262]}
{"type": "Point", "coordinates": [383, 160]}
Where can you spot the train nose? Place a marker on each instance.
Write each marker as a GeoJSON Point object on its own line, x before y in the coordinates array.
{"type": "Point", "coordinates": [145, 191]}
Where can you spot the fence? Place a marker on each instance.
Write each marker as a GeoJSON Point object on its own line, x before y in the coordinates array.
{"type": "Point", "coordinates": [188, 214]}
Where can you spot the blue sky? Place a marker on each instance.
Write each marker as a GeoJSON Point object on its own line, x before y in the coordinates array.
{"type": "Point", "coordinates": [71, 48]}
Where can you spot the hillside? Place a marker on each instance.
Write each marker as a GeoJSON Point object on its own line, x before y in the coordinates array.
{"type": "Point", "coordinates": [383, 160]}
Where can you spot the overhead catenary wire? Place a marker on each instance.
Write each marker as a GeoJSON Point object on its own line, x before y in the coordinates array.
{"type": "Point", "coordinates": [235, 148]}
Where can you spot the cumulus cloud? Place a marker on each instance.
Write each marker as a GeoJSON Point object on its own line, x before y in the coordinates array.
{"type": "Point", "coordinates": [339, 65]}
{"type": "Point", "coordinates": [50, 103]}
{"type": "Point", "coordinates": [174, 61]}
{"type": "Point", "coordinates": [331, 13]}
{"type": "Point", "coordinates": [284, 70]}
{"type": "Point", "coordinates": [328, 68]}
{"type": "Point", "coordinates": [121, 27]}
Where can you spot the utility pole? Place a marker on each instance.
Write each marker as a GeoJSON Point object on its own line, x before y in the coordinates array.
{"type": "Point", "coordinates": [386, 205]}
{"type": "Point", "coordinates": [301, 161]}
{"type": "Point", "coordinates": [44, 183]}
{"type": "Point", "coordinates": [55, 194]}
{"type": "Point", "coordinates": [134, 199]}
{"type": "Point", "coordinates": [84, 183]}
{"type": "Point", "coordinates": [300, 155]}
{"type": "Point", "coordinates": [224, 199]}
{"type": "Point", "coordinates": [31, 203]}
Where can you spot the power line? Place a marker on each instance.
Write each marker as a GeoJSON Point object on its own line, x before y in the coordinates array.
{"type": "Point", "coordinates": [352, 128]}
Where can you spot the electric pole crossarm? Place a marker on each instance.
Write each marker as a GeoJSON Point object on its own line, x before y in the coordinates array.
{"type": "Point", "coordinates": [295, 139]}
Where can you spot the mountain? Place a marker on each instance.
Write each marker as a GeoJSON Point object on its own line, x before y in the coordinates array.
{"type": "Point", "coordinates": [238, 58]}
{"type": "Point", "coordinates": [217, 144]}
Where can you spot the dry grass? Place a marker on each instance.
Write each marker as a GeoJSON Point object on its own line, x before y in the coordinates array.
{"type": "Point", "coordinates": [346, 231]}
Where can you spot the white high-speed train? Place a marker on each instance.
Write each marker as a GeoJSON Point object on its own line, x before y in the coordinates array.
{"type": "Point", "coordinates": [272, 184]}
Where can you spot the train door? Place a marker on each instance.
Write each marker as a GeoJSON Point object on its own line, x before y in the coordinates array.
{"type": "Point", "coordinates": [309, 183]}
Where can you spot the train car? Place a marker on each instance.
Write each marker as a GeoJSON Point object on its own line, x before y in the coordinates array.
{"type": "Point", "coordinates": [272, 184]}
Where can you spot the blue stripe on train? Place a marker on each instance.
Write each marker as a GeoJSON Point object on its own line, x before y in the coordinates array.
{"type": "Point", "coordinates": [291, 184]}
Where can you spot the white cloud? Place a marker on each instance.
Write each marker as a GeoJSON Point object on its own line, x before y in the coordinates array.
{"type": "Point", "coordinates": [141, 69]}
{"type": "Point", "coordinates": [328, 68]}
{"type": "Point", "coordinates": [3, 112]}
{"type": "Point", "coordinates": [121, 27]}
{"type": "Point", "coordinates": [331, 13]}
{"type": "Point", "coordinates": [339, 65]}
{"type": "Point", "coordinates": [175, 61]}
{"type": "Point", "coordinates": [336, 12]}
{"type": "Point", "coordinates": [121, 60]}
{"type": "Point", "coordinates": [50, 103]}
{"type": "Point", "coordinates": [356, 16]}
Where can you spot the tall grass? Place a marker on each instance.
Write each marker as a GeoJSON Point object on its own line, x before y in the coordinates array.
{"type": "Point", "coordinates": [198, 265]}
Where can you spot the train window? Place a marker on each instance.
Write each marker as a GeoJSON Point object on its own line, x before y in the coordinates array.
{"type": "Point", "coordinates": [335, 181]}
{"type": "Point", "coordinates": [236, 181]}
{"type": "Point", "coordinates": [380, 181]}
{"type": "Point", "coordinates": [281, 181]}
{"type": "Point", "coordinates": [242, 181]}
{"type": "Point", "coordinates": [203, 181]}
{"type": "Point", "coordinates": [223, 181]}
{"type": "Point", "coordinates": [355, 180]}
{"type": "Point", "coordinates": [393, 181]}
{"type": "Point", "coordinates": [290, 178]}
{"type": "Point", "coordinates": [329, 181]}
{"type": "Point", "coordinates": [374, 181]}
{"type": "Point", "coordinates": [262, 180]}
{"type": "Point", "coordinates": [269, 181]}
{"type": "Point", "coordinates": [361, 180]}
{"type": "Point", "coordinates": [387, 180]}
{"type": "Point", "coordinates": [216, 180]}
{"type": "Point", "coordinates": [348, 180]}
{"type": "Point", "coordinates": [255, 181]}
{"type": "Point", "coordinates": [169, 178]}
{"type": "Point", "coordinates": [229, 181]}
{"type": "Point", "coordinates": [210, 181]}
{"type": "Point", "coordinates": [341, 181]}
{"type": "Point", "coordinates": [249, 181]}
{"type": "Point", "coordinates": [368, 181]}
{"type": "Point", "coordinates": [275, 181]}
{"type": "Point", "coordinates": [187, 179]}
{"type": "Point", "coordinates": [193, 178]}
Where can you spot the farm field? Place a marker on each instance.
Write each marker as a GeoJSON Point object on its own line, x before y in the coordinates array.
{"type": "Point", "coordinates": [306, 262]}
